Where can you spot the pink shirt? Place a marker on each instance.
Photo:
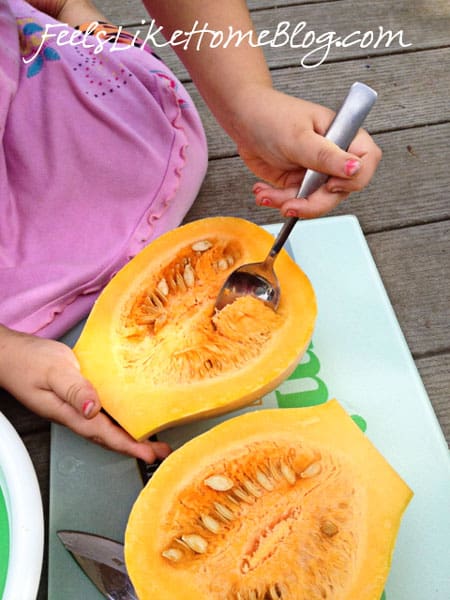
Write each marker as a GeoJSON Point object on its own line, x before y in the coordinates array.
{"type": "Point", "coordinates": [100, 154]}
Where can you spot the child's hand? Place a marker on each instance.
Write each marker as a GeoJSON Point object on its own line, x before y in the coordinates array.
{"type": "Point", "coordinates": [279, 137]}
{"type": "Point", "coordinates": [44, 375]}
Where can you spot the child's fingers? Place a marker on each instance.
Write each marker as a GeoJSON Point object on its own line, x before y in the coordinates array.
{"type": "Point", "coordinates": [101, 430]}
{"type": "Point", "coordinates": [289, 205]}
{"type": "Point", "coordinates": [317, 205]}
{"type": "Point", "coordinates": [369, 154]}
{"type": "Point", "coordinates": [71, 387]}
{"type": "Point", "coordinates": [267, 195]}
{"type": "Point", "coordinates": [315, 152]}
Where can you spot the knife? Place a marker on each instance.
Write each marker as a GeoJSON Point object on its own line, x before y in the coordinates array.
{"type": "Point", "coordinates": [102, 558]}
{"type": "Point", "coordinates": [102, 561]}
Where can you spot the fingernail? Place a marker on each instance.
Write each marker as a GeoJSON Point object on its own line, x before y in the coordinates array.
{"type": "Point", "coordinates": [87, 408]}
{"type": "Point", "coordinates": [265, 202]}
{"type": "Point", "coordinates": [291, 213]}
{"type": "Point", "coordinates": [352, 166]}
{"type": "Point", "coordinates": [257, 188]}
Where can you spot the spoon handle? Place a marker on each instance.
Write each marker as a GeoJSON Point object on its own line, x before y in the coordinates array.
{"type": "Point", "coordinates": [342, 130]}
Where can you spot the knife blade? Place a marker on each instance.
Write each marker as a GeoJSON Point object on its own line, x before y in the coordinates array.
{"type": "Point", "coordinates": [102, 561]}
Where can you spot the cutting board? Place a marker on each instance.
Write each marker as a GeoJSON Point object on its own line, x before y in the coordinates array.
{"type": "Point", "coordinates": [359, 356]}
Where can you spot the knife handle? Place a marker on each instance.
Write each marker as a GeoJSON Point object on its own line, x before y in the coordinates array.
{"type": "Point", "coordinates": [146, 470]}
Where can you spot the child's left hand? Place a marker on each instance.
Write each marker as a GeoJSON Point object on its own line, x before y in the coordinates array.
{"type": "Point", "coordinates": [45, 377]}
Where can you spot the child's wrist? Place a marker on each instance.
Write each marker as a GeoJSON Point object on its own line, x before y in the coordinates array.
{"type": "Point", "coordinates": [6, 343]}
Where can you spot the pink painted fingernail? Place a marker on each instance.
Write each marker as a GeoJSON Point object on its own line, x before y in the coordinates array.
{"type": "Point", "coordinates": [352, 166]}
{"type": "Point", "coordinates": [291, 213]}
{"type": "Point", "coordinates": [87, 408]}
{"type": "Point", "coordinates": [265, 202]}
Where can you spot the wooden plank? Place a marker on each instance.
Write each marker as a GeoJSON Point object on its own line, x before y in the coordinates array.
{"type": "Point", "coordinates": [132, 11]}
{"type": "Point", "coordinates": [424, 26]}
{"type": "Point", "coordinates": [413, 263]}
{"type": "Point", "coordinates": [403, 101]}
{"type": "Point", "coordinates": [435, 373]}
{"type": "Point", "coordinates": [123, 11]}
{"type": "Point", "coordinates": [23, 420]}
{"type": "Point", "coordinates": [264, 4]}
{"type": "Point", "coordinates": [410, 187]}
{"type": "Point", "coordinates": [416, 28]}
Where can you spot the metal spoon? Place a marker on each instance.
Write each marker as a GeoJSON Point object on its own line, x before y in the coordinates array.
{"type": "Point", "coordinates": [259, 279]}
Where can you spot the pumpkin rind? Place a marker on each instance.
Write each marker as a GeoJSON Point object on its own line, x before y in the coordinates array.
{"type": "Point", "coordinates": [283, 504]}
{"type": "Point", "coordinates": [159, 355]}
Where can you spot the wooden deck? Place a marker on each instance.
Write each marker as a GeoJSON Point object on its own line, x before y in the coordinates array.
{"type": "Point", "coordinates": [405, 212]}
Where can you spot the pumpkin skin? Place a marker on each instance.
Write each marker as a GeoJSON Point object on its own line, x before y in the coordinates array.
{"type": "Point", "coordinates": [157, 352]}
{"type": "Point", "coordinates": [318, 519]}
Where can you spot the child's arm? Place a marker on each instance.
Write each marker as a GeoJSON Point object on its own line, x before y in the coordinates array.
{"type": "Point", "coordinates": [278, 136]}
{"type": "Point", "coordinates": [44, 376]}
{"type": "Point", "coordinates": [72, 12]}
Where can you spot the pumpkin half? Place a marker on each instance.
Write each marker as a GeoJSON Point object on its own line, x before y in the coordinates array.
{"type": "Point", "coordinates": [157, 351]}
{"type": "Point", "coordinates": [282, 504]}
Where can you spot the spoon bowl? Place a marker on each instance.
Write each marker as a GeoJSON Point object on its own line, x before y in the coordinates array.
{"type": "Point", "coordinates": [259, 279]}
{"type": "Point", "coordinates": [256, 279]}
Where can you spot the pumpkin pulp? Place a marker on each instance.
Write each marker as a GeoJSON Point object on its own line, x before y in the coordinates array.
{"type": "Point", "coordinates": [157, 351]}
{"type": "Point", "coordinates": [284, 504]}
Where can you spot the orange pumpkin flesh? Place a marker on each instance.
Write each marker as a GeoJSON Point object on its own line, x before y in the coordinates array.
{"type": "Point", "coordinates": [158, 353]}
{"type": "Point", "coordinates": [285, 504]}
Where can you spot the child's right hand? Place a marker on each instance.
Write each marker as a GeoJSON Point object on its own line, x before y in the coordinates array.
{"type": "Point", "coordinates": [279, 137]}
{"type": "Point", "coordinates": [44, 376]}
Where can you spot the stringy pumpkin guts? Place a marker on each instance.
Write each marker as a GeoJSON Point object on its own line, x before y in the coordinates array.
{"type": "Point", "coordinates": [159, 353]}
{"type": "Point", "coordinates": [270, 505]}
{"type": "Point", "coordinates": [171, 331]}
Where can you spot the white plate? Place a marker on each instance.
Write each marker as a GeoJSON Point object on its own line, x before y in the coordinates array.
{"type": "Point", "coordinates": [20, 489]}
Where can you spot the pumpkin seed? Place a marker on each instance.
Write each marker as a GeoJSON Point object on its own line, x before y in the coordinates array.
{"type": "Point", "coordinates": [180, 282]}
{"type": "Point", "coordinates": [210, 523]}
{"type": "Point", "coordinates": [264, 481]}
{"type": "Point", "coordinates": [171, 281]}
{"type": "Point", "coordinates": [173, 554]}
{"type": "Point", "coordinates": [145, 319]}
{"type": "Point", "coordinates": [288, 473]}
{"type": "Point", "coordinates": [220, 483]}
{"type": "Point", "coordinates": [232, 499]}
{"type": "Point", "coordinates": [201, 246]}
{"type": "Point", "coordinates": [188, 276]}
{"type": "Point", "coordinates": [223, 511]}
{"type": "Point", "coordinates": [156, 301]}
{"type": "Point", "coordinates": [275, 592]}
{"type": "Point", "coordinates": [311, 471]}
{"type": "Point", "coordinates": [252, 489]}
{"type": "Point", "coordinates": [163, 287]}
{"type": "Point", "coordinates": [230, 260]}
{"type": "Point", "coordinates": [182, 543]}
{"type": "Point", "coordinates": [222, 264]}
{"type": "Point", "coordinates": [274, 469]}
{"type": "Point", "coordinates": [329, 528]}
{"type": "Point", "coordinates": [242, 495]}
{"type": "Point", "coordinates": [195, 542]}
